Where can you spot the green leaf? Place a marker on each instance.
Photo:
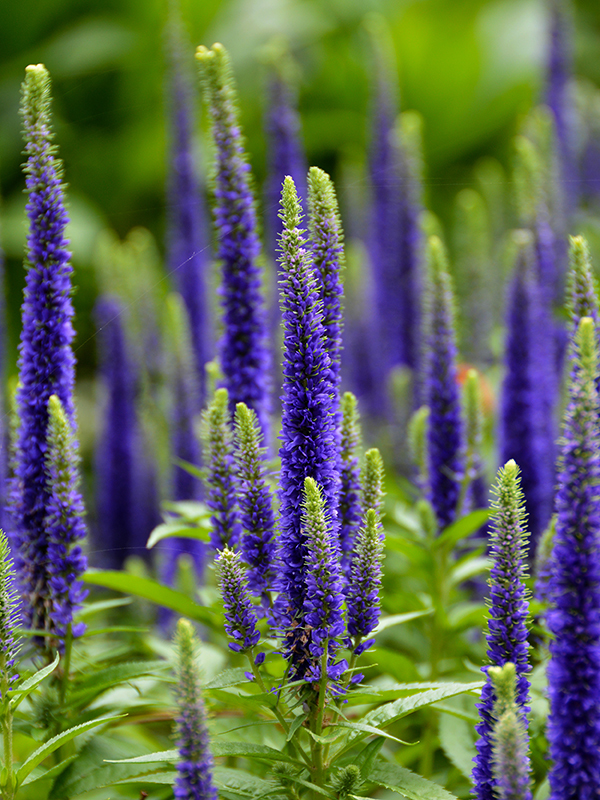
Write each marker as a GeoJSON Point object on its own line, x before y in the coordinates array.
{"type": "Point", "coordinates": [151, 758]}
{"type": "Point", "coordinates": [112, 676]}
{"type": "Point", "coordinates": [402, 780]}
{"type": "Point", "coordinates": [366, 758]}
{"type": "Point", "coordinates": [399, 619]}
{"type": "Point", "coordinates": [168, 530]}
{"type": "Point", "coordinates": [251, 702]}
{"type": "Point", "coordinates": [57, 741]}
{"type": "Point", "coordinates": [149, 589]}
{"type": "Point", "coordinates": [368, 730]}
{"type": "Point", "coordinates": [229, 677]}
{"type": "Point", "coordinates": [167, 778]}
{"type": "Point", "coordinates": [457, 743]}
{"type": "Point", "coordinates": [250, 750]}
{"type": "Point", "coordinates": [390, 712]}
{"type": "Point", "coordinates": [40, 774]}
{"type": "Point", "coordinates": [296, 723]}
{"type": "Point", "coordinates": [462, 528]}
{"type": "Point", "coordinates": [242, 782]}
{"type": "Point", "coordinates": [468, 569]}
{"type": "Point", "coordinates": [26, 688]}
{"type": "Point", "coordinates": [90, 609]}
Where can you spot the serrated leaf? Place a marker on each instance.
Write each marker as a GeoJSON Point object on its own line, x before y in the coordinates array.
{"type": "Point", "coordinates": [369, 730]}
{"type": "Point", "coordinates": [242, 782]}
{"type": "Point", "coordinates": [229, 677]}
{"type": "Point", "coordinates": [57, 741]}
{"type": "Point", "coordinates": [402, 780]}
{"type": "Point", "coordinates": [457, 742]}
{"type": "Point", "coordinates": [40, 774]}
{"type": "Point", "coordinates": [399, 619]}
{"type": "Point", "coordinates": [151, 758]}
{"type": "Point", "coordinates": [366, 758]}
{"type": "Point", "coordinates": [109, 677]}
{"type": "Point", "coordinates": [149, 589]}
{"type": "Point", "coordinates": [250, 750]}
{"type": "Point", "coordinates": [28, 686]}
{"type": "Point", "coordinates": [167, 778]}
{"type": "Point", "coordinates": [390, 712]}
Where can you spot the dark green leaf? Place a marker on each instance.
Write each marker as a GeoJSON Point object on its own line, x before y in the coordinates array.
{"type": "Point", "coordinates": [402, 780]}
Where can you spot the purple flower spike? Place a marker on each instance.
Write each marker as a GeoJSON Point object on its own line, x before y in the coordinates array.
{"type": "Point", "coordinates": [559, 97]}
{"type": "Point", "coordinates": [365, 579]}
{"type": "Point", "coordinates": [508, 615]}
{"type": "Point", "coordinates": [308, 446]}
{"type": "Point", "coordinates": [116, 453]}
{"type": "Point", "coordinates": [525, 434]}
{"type": "Point", "coordinates": [187, 257]}
{"type": "Point", "coordinates": [324, 590]}
{"type": "Point", "coordinates": [243, 350]}
{"type": "Point", "coordinates": [284, 152]}
{"type": "Point", "coordinates": [582, 298]}
{"type": "Point", "coordinates": [256, 503]}
{"type": "Point", "coordinates": [220, 472]}
{"type": "Point", "coordinates": [195, 765]}
{"type": "Point", "coordinates": [240, 619]}
{"type": "Point", "coordinates": [9, 618]}
{"type": "Point", "coordinates": [445, 444]}
{"type": "Point", "coordinates": [65, 527]}
{"type": "Point", "coordinates": [46, 361]}
{"type": "Point", "coordinates": [184, 441]}
{"type": "Point", "coordinates": [574, 588]}
{"type": "Point", "coordinates": [350, 488]}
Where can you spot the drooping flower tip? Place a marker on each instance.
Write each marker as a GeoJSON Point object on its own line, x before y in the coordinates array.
{"type": "Point", "coordinates": [324, 596]}
{"type": "Point", "coordinates": [220, 471]}
{"type": "Point", "coordinates": [240, 619]}
{"type": "Point", "coordinates": [373, 481]}
{"type": "Point", "coordinates": [64, 523]}
{"type": "Point", "coordinates": [195, 767]}
{"type": "Point", "coordinates": [510, 742]}
{"type": "Point", "coordinates": [9, 614]}
{"type": "Point", "coordinates": [362, 600]}
{"type": "Point", "coordinates": [255, 502]}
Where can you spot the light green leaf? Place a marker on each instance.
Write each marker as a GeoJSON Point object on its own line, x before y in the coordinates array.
{"type": "Point", "coordinates": [242, 782]}
{"type": "Point", "coordinates": [28, 686]}
{"type": "Point", "coordinates": [390, 712]}
{"type": "Point", "coordinates": [90, 609]}
{"type": "Point", "coordinates": [368, 730]}
{"type": "Point", "coordinates": [229, 677]}
{"type": "Point", "coordinates": [399, 619]}
{"type": "Point", "coordinates": [168, 530]}
{"type": "Point", "coordinates": [151, 590]}
{"type": "Point", "coordinates": [163, 778]}
{"type": "Point", "coordinates": [112, 676]}
{"type": "Point", "coordinates": [402, 780]}
{"type": "Point", "coordinates": [57, 741]}
{"type": "Point", "coordinates": [457, 742]}
{"type": "Point", "coordinates": [40, 774]}
{"type": "Point", "coordinates": [250, 750]}
{"type": "Point", "coordinates": [462, 528]}
{"type": "Point", "coordinates": [468, 569]}
{"type": "Point", "coordinates": [152, 758]}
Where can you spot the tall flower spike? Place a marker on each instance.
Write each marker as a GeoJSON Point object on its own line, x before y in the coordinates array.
{"type": "Point", "coordinates": [116, 448]}
{"type": "Point", "coordinates": [524, 424]}
{"type": "Point", "coordinates": [220, 472]}
{"type": "Point", "coordinates": [256, 503]}
{"type": "Point", "coordinates": [284, 152]}
{"type": "Point", "coordinates": [184, 442]}
{"type": "Point", "coordinates": [243, 350]}
{"type": "Point", "coordinates": [187, 258]}
{"type": "Point", "coordinates": [65, 527]}
{"type": "Point", "coordinates": [327, 249]}
{"type": "Point", "coordinates": [373, 474]}
{"type": "Point", "coordinates": [559, 97]}
{"type": "Point", "coordinates": [582, 296]}
{"type": "Point", "coordinates": [445, 430]}
{"type": "Point", "coordinates": [362, 598]}
{"type": "Point", "coordinates": [308, 443]}
{"type": "Point", "coordinates": [543, 561]}
{"type": "Point", "coordinates": [350, 482]}
{"type": "Point", "coordinates": [9, 614]}
{"type": "Point", "coordinates": [508, 615]}
{"type": "Point", "coordinates": [510, 758]}
{"type": "Point", "coordinates": [195, 766]}
{"type": "Point", "coordinates": [574, 617]}
{"type": "Point", "coordinates": [46, 361]}
{"type": "Point", "coordinates": [417, 442]}
{"type": "Point", "coordinates": [324, 590]}
{"type": "Point", "coordinates": [476, 494]}
{"type": "Point", "coordinates": [240, 619]}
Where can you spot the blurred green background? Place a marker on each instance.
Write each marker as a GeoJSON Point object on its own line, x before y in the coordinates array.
{"type": "Point", "coordinates": [471, 67]}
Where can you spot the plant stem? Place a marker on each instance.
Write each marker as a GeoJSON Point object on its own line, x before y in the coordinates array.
{"type": "Point", "coordinates": [8, 790]}
{"type": "Point", "coordinates": [318, 750]}
{"type": "Point", "coordinates": [64, 685]}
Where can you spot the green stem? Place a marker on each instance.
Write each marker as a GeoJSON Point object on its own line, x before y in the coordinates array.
{"type": "Point", "coordinates": [64, 685]}
{"type": "Point", "coordinates": [276, 711]}
{"type": "Point", "coordinates": [465, 483]}
{"type": "Point", "coordinates": [318, 750]}
{"type": "Point", "coordinates": [8, 790]}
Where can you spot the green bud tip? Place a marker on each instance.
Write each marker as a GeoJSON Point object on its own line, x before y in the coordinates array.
{"type": "Point", "coordinates": [504, 681]}
{"type": "Point", "coordinates": [290, 212]}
